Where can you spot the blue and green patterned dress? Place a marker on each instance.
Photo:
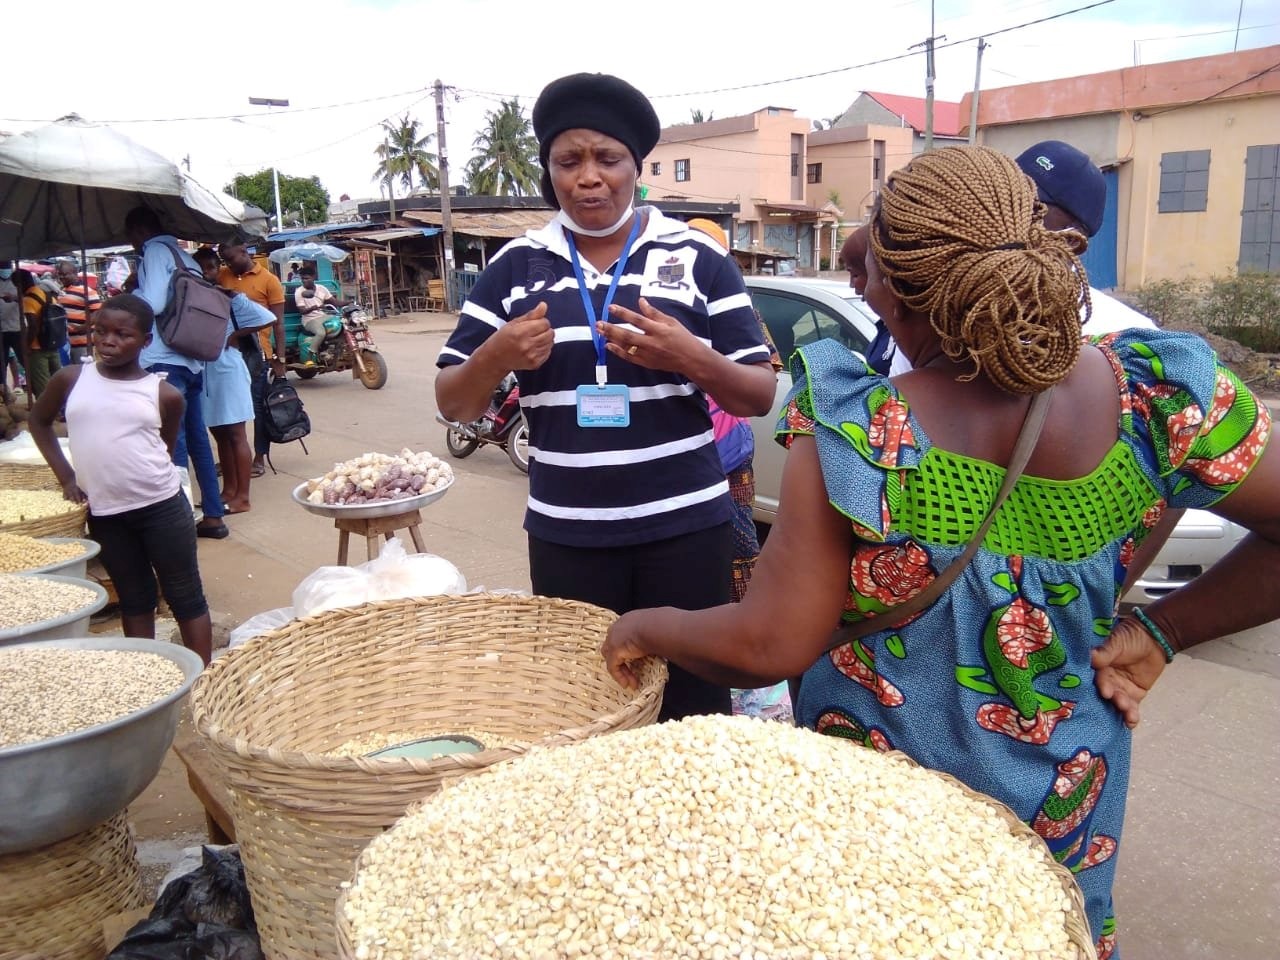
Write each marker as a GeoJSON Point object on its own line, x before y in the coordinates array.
{"type": "Point", "coordinates": [993, 682]}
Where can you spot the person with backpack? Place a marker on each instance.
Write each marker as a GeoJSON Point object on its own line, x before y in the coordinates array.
{"type": "Point", "coordinates": [266, 359]}
{"type": "Point", "coordinates": [44, 331]}
{"type": "Point", "coordinates": [158, 258]}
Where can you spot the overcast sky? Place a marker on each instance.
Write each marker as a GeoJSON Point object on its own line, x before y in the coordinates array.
{"type": "Point", "coordinates": [320, 54]}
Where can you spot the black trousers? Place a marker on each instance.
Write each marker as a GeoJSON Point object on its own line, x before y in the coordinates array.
{"type": "Point", "coordinates": [690, 572]}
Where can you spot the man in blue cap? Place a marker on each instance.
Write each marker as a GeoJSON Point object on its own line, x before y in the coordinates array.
{"type": "Point", "coordinates": [1068, 183]}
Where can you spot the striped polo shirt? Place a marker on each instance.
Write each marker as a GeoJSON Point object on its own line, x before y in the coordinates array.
{"type": "Point", "coordinates": [660, 477]}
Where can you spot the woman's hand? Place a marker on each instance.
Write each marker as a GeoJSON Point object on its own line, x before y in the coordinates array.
{"type": "Point", "coordinates": [663, 343]}
{"type": "Point", "coordinates": [622, 647]}
{"type": "Point", "coordinates": [525, 341]}
{"type": "Point", "coordinates": [71, 491]}
{"type": "Point", "coordinates": [1126, 667]}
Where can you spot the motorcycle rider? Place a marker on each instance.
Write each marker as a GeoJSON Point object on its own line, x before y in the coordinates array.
{"type": "Point", "coordinates": [310, 299]}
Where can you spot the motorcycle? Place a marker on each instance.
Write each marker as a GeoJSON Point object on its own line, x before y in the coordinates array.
{"type": "Point", "coordinates": [502, 423]}
{"type": "Point", "coordinates": [348, 345]}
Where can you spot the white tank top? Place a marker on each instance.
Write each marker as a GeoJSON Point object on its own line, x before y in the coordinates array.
{"type": "Point", "coordinates": [113, 427]}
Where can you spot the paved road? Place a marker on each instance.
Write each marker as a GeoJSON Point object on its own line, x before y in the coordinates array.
{"type": "Point", "coordinates": [1199, 872]}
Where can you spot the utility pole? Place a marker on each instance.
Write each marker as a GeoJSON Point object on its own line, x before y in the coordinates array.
{"type": "Point", "coordinates": [446, 215]}
{"type": "Point", "coordinates": [270, 102]}
{"type": "Point", "coordinates": [977, 87]}
{"type": "Point", "coordinates": [929, 77]}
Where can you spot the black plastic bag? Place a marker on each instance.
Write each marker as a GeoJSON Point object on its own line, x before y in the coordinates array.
{"type": "Point", "coordinates": [203, 915]}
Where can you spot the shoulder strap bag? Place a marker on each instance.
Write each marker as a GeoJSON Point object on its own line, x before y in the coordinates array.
{"type": "Point", "coordinates": [1027, 437]}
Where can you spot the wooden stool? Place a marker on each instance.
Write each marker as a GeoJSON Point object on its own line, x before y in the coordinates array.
{"type": "Point", "coordinates": [205, 781]}
{"type": "Point", "coordinates": [370, 530]}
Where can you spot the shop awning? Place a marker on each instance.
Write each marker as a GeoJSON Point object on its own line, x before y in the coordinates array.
{"type": "Point", "coordinates": [305, 233]}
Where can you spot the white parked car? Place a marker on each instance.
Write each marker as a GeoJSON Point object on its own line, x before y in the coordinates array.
{"type": "Point", "coordinates": [798, 311]}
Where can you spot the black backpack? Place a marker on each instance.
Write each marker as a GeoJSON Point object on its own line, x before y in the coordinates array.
{"type": "Point", "coordinates": [285, 419]}
{"type": "Point", "coordinates": [53, 322]}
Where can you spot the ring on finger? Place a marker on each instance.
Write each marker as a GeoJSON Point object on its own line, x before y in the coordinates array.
{"type": "Point", "coordinates": [631, 350]}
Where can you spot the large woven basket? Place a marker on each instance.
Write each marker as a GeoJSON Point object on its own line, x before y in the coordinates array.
{"type": "Point", "coordinates": [27, 476]}
{"type": "Point", "coordinates": [53, 900]}
{"type": "Point", "coordinates": [524, 668]}
{"type": "Point", "coordinates": [1077, 922]}
{"type": "Point", "coordinates": [37, 476]}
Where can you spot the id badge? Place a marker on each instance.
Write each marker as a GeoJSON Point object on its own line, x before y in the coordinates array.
{"type": "Point", "coordinates": [604, 406]}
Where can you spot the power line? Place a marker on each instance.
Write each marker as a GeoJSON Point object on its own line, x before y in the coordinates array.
{"type": "Point", "coordinates": [874, 63]}
{"type": "Point", "coordinates": [833, 70]}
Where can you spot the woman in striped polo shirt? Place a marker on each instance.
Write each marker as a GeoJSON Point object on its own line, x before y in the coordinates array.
{"type": "Point", "coordinates": [617, 321]}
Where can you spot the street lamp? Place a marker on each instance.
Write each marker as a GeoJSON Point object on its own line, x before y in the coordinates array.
{"type": "Point", "coordinates": [269, 102]}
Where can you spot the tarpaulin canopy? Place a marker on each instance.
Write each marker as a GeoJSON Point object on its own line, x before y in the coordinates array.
{"type": "Point", "coordinates": [308, 251]}
{"type": "Point", "coordinates": [69, 185]}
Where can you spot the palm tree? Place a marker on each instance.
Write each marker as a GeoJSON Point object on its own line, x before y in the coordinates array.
{"type": "Point", "coordinates": [507, 160]}
{"type": "Point", "coordinates": [403, 153]}
{"type": "Point", "coordinates": [697, 116]}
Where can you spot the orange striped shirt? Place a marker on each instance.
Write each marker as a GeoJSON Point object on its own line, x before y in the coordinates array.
{"type": "Point", "coordinates": [75, 300]}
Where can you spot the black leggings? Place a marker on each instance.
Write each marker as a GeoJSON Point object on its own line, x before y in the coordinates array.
{"type": "Point", "coordinates": [149, 543]}
{"type": "Point", "coordinates": [690, 572]}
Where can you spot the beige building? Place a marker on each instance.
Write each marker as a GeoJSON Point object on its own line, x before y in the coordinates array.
{"type": "Point", "coordinates": [1190, 151]}
{"type": "Point", "coordinates": [847, 166]}
{"type": "Point", "coordinates": [798, 189]}
{"type": "Point", "coordinates": [757, 160]}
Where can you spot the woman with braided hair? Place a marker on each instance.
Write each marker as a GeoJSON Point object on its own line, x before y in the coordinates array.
{"type": "Point", "coordinates": [1021, 679]}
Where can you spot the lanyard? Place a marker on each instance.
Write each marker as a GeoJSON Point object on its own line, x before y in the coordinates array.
{"type": "Point", "coordinates": [592, 319]}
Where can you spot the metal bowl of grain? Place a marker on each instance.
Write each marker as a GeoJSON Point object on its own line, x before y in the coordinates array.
{"type": "Point", "coordinates": [73, 566]}
{"type": "Point", "coordinates": [45, 607]}
{"type": "Point", "coordinates": [55, 787]}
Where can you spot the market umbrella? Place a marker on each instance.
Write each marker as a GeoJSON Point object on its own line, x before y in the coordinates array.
{"type": "Point", "coordinates": [70, 184]}
{"type": "Point", "coordinates": [308, 251]}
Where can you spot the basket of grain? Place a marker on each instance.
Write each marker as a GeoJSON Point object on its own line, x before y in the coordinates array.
{"type": "Point", "coordinates": [40, 513]}
{"type": "Point", "coordinates": [289, 715]}
{"type": "Point", "coordinates": [704, 838]}
{"type": "Point", "coordinates": [27, 476]}
{"type": "Point", "coordinates": [54, 899]}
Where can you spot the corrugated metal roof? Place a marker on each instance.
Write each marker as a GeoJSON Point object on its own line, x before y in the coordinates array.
{"type": "Point", "coordinates": [303, 233]}
{"type": "Point", "coordinates": [508, 224]}
{"type": "Point", "coordinates": [396, 233]}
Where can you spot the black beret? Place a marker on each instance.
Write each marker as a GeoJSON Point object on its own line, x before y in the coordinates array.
{"type": "Point", "coordinates": [595, 101]}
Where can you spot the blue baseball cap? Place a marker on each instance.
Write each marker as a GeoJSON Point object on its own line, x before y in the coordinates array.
{"type": "Point", "coordinates": [1067, 178]}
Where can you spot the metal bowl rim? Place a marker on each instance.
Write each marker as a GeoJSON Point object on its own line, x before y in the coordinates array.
{"type": "Point", "coordinates": [88, 610]}
{"type": "Point", "coordinates": [187, 660]}
{"type": "Point", "coordinates": [92, 549]}
{"type": "Point", "coordinates": [361, 511]}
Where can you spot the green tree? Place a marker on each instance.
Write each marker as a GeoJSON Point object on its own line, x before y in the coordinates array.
{"type": "Point", "coordinates": [506, 163]}
{"type": "Point", "coordinates": [403, 154]}
{"type": "Point", "coordinates": [697, 116]}
{"type": "Point", "coordinates": [302, 199]}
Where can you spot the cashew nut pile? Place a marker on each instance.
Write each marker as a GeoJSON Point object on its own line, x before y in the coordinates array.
{"type": "Point", "coordinates": [18, 552]}
{"type": "Point", "coordinates": [712, 837]}
{"type": "Point", "coordinates": [375, 477]}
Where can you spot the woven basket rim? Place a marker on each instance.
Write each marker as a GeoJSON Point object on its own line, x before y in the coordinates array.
{"type": "Point", "coordinates": [1077, 917]}
{"type": "Point", "coordinates": [652, 683]}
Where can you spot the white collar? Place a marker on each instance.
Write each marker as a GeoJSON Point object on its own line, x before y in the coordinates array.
{"type": "Point", "coordinates": [552, 238]}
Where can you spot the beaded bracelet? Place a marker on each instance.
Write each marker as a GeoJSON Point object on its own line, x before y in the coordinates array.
{"type": "Point", "coordinates": [1155, 632]}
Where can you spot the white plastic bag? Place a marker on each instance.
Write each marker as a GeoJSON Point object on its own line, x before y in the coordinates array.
{"type": "Point", "coordinates": [396, 575]}
{"type": "Point", "coordinates": [259, 624]}
{"type": "Point", "coordinates": [327, 588]}
{"type": "Point", "coordinates": [23, 449]}
{"type": "Point", "coordinates": [392, 575]}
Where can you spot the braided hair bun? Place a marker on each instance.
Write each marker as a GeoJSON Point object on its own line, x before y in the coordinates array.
{"type": "Point", "coordinates": [959, 233]}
